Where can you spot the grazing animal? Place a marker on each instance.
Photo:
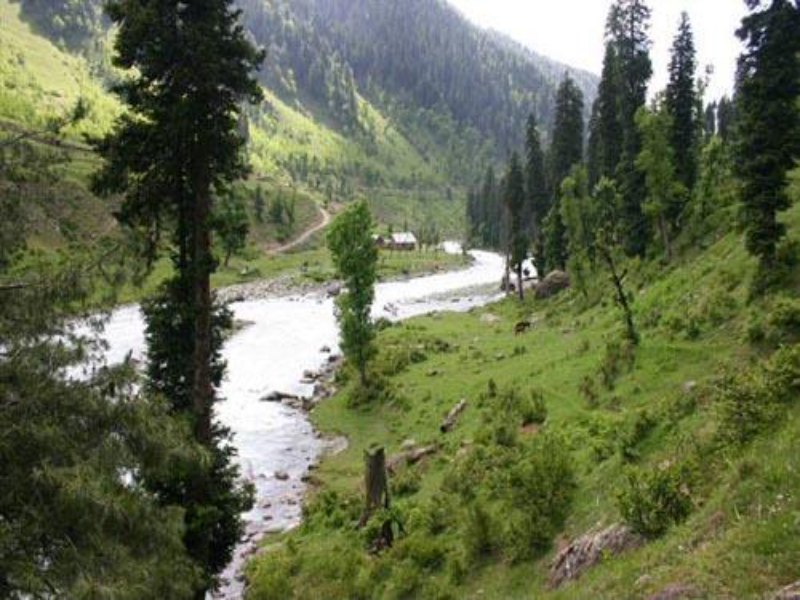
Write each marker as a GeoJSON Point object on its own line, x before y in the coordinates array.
{"type": "Point", "coordinates": [522, 327]}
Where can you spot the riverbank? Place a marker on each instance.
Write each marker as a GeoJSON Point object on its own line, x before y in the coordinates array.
{"type": "Point", "coordinates": [611, 412]}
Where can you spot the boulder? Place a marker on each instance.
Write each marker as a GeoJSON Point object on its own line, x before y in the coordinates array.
{"type": "Point", "coordinates": [555, 283]}
{"type": "Point", "coordinates": [490, 319]}
{"type": "Point", "coordinates": [281, 475]}
{"type": "Point", "coordinates": [587, 550]}
{"type": "Point", "coordinates": [790, 592]}
{"type": "Point", "coordinates": [279, 397]}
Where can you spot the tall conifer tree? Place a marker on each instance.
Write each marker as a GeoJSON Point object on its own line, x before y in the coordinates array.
{"type": "Point", "coordinates": [566, 151]}
{"type": "Point", "coordinates": [628, 26]}
{"type": "Point", "coordinates": [768, 126]}
{"type": "Point", "coordinates": [515, 205]}
{"type": "Point", "coordinates": [175, 150]}
{"type": "Point", "coordinates": [538, 201]}
{"type": "Point", "coordinates": [682, 104]}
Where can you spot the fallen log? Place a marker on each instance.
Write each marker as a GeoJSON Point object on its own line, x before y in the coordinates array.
{"type": "Point", "coordinates": [451, 418]}
{"type": "Point", "coordinates": [410, 457]}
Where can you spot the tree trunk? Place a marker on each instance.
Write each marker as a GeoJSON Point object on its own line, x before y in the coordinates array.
{"type": "Point", "coordinates": [520, 283]}
{"type": "Point", "coordinates": [202, 388]}
{"type": "Point", "coordinates": [375, 482]}
{"type": "Point", "coordinates": [622, 298]}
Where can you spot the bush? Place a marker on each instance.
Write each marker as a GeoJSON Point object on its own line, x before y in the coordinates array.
{"type": "Point", "coordinates": [652, 500]}
{"type": "Point", "coordinates": [537, 498]}
{"type": "Point", "coordinates": [779, 325]}
{"type": "Point", "coordinates": [476, 534]}
{"type": "Point", "coordinates": [634, 434]}
{"type": "Point", "coordinates": [751, 401]}
{"type": "Point", "coordinates": [405, 482]}
{"type": "Point", "coordinates": [330, 510]}
{"type": "Point", "coordinates": [619, 356]}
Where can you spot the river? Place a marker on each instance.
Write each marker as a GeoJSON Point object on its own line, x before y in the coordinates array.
{"type": "Point", "coordinates": [281, 340]}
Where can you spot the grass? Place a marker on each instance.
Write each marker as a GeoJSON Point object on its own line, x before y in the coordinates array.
{"type": "Point", "coordinates": [741, 539]}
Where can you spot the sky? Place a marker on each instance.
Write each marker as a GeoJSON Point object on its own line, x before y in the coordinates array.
{"type": "Point", "coordinates": [571, 31]}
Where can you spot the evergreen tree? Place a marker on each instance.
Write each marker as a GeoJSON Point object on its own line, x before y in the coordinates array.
{"type": "Point", "coordinates": [682, 100]}
{"type": "Point", "coordinates": [515, 205]}
{"type": "Point", "coordinates": [665, 192]}
{"type": "Point", "coordinates": [769, 123]}
{"type": "Point", "coordinates": [232, 225]}
{"type": "Point", "coordinates": [175, 148]}
{"type": "Point", "coordinates": [710, 121]}
{"type": "Point", "coordinates": [355, 257]}
{"type": "Point", "coordinates": [609, 126]}
{"type": "Point", "coordinates": [726, 119]}
{"type": "Point", "coordinates": [538, 200]}
{"type": "Point", "coordinates": [594, 150]}
{"type": "Point", "coordinates": [566, 151]}
{"type": "Point", "coordinates": [628, 27]}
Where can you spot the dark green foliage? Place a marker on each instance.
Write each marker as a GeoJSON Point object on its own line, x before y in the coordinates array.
{"type": "Point", "coordinates": [682, 104]}
{"type": "Point", "coordinates": [566, 151]}
{"type": "Point", "coordinates": [726, 119]}
{"type": "Point", "coordinates": [627, 30]}
{"type": "Point", "coordinates": [769, 119]}
{"type": "Point", "coordinates": [77, 451]}
{"type": "Point", "coordinates": [654, 499]}
{"type": "Point", "coordinates": [174, 151]}
{"type": "Point", "coordinates": [231, 224]}
{"type": "Point", "coordinates": [515, 205]}
{"type": "Point", "coordinates": [609, 124]}
{"type": "Point", "coordinates": [537, 199]}
{"type": "Point", "coordinates": [355, 257]}
{"type": "Point", "coordinates": [754, 400]}
{"type": "Point", "coordinates": [485, 212]}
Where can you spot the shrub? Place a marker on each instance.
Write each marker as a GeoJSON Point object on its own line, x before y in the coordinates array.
{"type": "Point", "coordinates": [619, 356]}
{"type": "Point", "coordinates": [534, 412]}
{"type": "Point", "coordinates": [476, 534]}
{"type": "Point", "coordinates": [330, 510]}
{"type": "Point", "coordinates": [779, 325]}
{"type": "Point", "coordinates": [405, 482]}
{"type": "Point", "coordinates": [652, 500]}
{"type": "Point", "coordinates": [752, 400]}
{"type": "Point", "coordinates": [588, 389]}
{"type": "Point", "coordinates": [634, 434]}
{"type": "Point", "coordinates": [537, 498]}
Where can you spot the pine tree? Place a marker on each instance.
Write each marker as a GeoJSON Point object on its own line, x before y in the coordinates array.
{"type": "Point", "coordinates": [769, 122]}
{"type": "Point", "coordinates": [515, 205]}
{"type": "Point", "coordinates": [594, 149]}
{"type": "Point", "coordinates": [175, 148]}
{"type": "Point", "coordinates": [682, 100]}
{"type": "Point", "coordinates": [726, 119]}
{"type": "Point", "coordinates": [628, 26]}
{"type": "Point", "coordinates": [566, 151]}
{"type": "Point", "coordinates": [538, 201]}
{"type": "Point", "coordinates": [609, 126]}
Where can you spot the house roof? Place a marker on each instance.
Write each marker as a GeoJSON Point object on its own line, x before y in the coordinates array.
{"type": "Point", "coordinates": [404, 238]}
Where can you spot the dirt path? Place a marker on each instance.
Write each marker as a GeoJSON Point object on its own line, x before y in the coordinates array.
{"type": "Point", "coordinates": [306, 235]}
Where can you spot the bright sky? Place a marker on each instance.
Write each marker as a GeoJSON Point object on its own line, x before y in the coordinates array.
{"type": "Point", "coordinates": [571, 31]}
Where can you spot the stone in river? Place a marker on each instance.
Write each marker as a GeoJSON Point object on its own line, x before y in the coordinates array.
{"type": "Point", "coordinates": [281, 475]}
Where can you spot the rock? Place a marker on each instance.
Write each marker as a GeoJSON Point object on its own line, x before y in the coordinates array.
{"type": "Point", "coordinates": [790, 592]}
{"type": "Point", "coordinates": [434, 373]}
{"type": "Point", "coordinates": [410, 457]}
{"type": "Point", "coordinates": [452, 416]}
{"type": "Point", "coordinates": [279, 397]}
{"type": "Point", "coordinates": [522, 327]}
{"type": "Point", "coordinates": [325, 350]}
{"type": "Point", "coordinates": [587, 550]}
{"type": "Point", "coordinates": [689, 386]}
{"type": "Point", "coordinates": [408, 444]}
{"type": "Point", "coordinates": [676, 591]}
{"type": "Point", "coordinates": [281, 475]}
{"type": "Point", "coordinates": [490, 319]}
{"type": "Point", "coordinates": [553, 284]}
{"type": "Point", "coordinates": [333, 290]}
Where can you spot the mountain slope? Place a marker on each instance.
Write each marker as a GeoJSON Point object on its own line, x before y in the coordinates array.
{"type": "Point", "coordinates": [402, 103]}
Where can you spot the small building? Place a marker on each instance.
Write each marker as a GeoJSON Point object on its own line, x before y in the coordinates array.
{"type": "Point", "coordinates": [402, 241]}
